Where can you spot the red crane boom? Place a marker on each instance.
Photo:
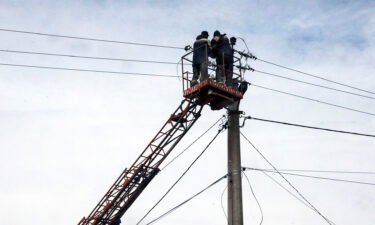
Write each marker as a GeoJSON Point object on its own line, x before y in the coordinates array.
{"type": "Point", "coordinates": [133, 181]}
{"type": "Point", "coordinates": [130, 184]}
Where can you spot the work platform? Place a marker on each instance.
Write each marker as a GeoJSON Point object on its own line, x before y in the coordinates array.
{"type": "Point", "coordinates": [209, 92]}
{"type": "Point", "coordinates": [216, 95]}
{"type": "Point", "coordinates": [132, 181]}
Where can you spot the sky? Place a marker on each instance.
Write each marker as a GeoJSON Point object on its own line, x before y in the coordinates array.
{"type": "Point", "coordinates": [65, 136]}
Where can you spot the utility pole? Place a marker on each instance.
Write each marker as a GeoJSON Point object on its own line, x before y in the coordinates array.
{"type": "Point", "coordinates": [235, 211]}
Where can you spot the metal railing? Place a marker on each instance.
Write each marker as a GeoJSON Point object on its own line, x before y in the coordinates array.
{"type": "Point", "coordinates": [212, 69]}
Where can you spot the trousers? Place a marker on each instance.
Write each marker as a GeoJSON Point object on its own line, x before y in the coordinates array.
{"type": "Point", "coordinates": [224, 73]}
{"type": "Point", "coordinates": [200, 71]}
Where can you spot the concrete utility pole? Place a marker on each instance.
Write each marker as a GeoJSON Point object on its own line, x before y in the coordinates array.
{"type": "Point", "coordinates": [235, 211]}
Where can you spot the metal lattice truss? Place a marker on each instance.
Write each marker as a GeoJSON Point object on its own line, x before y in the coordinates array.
{"type": "Point", "coordinates": [133, 181]}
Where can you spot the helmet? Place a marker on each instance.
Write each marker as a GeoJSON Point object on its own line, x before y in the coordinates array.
{"type": "Point", "coordinates": [216, 33]}
{"type": "Point", "coordinates": [205, 34]}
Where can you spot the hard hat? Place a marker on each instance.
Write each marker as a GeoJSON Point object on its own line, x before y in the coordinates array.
{"type": "Point", "coordinates": [205, 34]}
{"type": "Point", "coordinates": [216, 33]}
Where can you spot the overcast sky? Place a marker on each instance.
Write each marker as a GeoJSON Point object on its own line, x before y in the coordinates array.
{"type": "Point", "coordinates": [66, 136]}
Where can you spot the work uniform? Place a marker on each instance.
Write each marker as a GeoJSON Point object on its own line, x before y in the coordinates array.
{"type": "Point", "coordinates": [223, 53]}
{"type": "Point", "coordinates": [201, 50]}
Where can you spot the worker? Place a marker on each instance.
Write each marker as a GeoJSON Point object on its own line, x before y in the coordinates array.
{"type": "Point", "coordinates": [223, 52]}
{"type": "Point", "coordinates": [201, 50]}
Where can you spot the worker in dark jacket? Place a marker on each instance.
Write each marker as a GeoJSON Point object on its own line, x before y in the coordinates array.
{"type": "Point", "coordinates": [201, 50]}
{"type": "Point", "coordinates": [223, 52]}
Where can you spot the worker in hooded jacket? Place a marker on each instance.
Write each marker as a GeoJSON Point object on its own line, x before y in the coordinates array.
{"type": "Point", "coordinates": [201, 51]}
{"type": "Point", "coordinates": [223, 52]}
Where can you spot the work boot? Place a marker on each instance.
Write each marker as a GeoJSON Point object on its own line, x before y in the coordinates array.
{"type": "Point", "coordinates": [193, 83]}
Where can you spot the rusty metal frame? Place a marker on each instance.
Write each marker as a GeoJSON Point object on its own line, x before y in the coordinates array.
{"type": "Point", "coordinates": [186, 61]}
{"type": "Point", "coordinates": [133, 181]}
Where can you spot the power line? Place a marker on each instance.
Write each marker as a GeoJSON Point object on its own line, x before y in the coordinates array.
{"type": "Point", "coordinates": [221, 202]}
{"type": "Point", "coordinates": [86, 70]}
{"type": "Point", "coordinates": [255, 197]}
{"type": "Point", "coordinates": [291, 193]}
{"type": "Point", "coordinates": [164, 46]}
{"type": "Point", "coordinates": [85, 57]}
{"type": "Point", "coordinates": [326, 171]}
{"type": "Point", "coordinates": [310, 127]}
{"type": "Point", "coordinates": [312, 84]}
{"type": "Point", "coordinates": [249, 55]}
{"type": "Point", "coordinates": [187, 200]}
{"type": "Point", "coordinates": [316, 76]}
{"type": "Point", "coordinates": [314, 100]}
{"type": "Point", "coordinates": [166, 75]}
{"type": "Point", "coordinates": [191, 144]}
{"type": "Point", "coordinates": [183, 174]}
{"type": "Point", "coordinates": [315, 177]}
{"type": "Point", "coordinates": [289, 183]}
{"type": "Point", "coordinates": [89, 39]}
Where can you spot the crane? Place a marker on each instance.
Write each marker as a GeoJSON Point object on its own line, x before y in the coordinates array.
{"type": "Point", "coordinates": [133, 180]}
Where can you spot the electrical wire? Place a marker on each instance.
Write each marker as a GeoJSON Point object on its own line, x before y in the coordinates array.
{"type": "Point", "coordinates": [191, 144]}
{"type": "Point", "coordinates": [166, 75]}
{"type": "Point", "coordinates": [87, 70]}
{"type": "Point", "coordinates": [255, 197]}
{"type": "Point", "coordinates": [289, 183]}
{"type": "Point", "coordinates": [221, 202]}
{"type": "Point", "coordinates": [183, 174]}
{"type": "Point", "coordinates": [327, 171]}
{"type": "Point", "coordinates": [243, 40]}
{"type": "Point", "coordinates": [170, 47]}
{"type": "Point", "coordinates": [316, 76]}
{"type": "Point", "coordinates": [85, 57]}
{"type": "Point", "coordinates": [187, 200]}
{"type": "Point", "coordinates": [310, 127]}
{"type": "Point", "coordinates": [291, 193]}
{"type": "Point", "coordinates": [88, 39]}
{"type": "Point", "coordinates": [312, 84]}
{"type": "Point", "coordinates": [314, 100]}
{"type": "Point", "coordinates": [315, 177]}
{"type": "Point", "coordinates": [307, 74]}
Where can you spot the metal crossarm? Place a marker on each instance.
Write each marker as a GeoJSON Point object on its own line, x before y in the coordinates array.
{"type": "Point", "coordinates": [134, 180]}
